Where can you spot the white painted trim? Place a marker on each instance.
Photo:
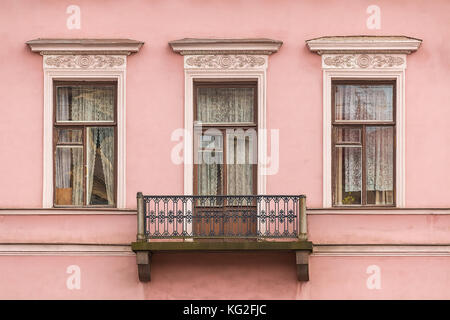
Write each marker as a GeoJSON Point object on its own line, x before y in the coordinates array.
{"type": "Point", "coordinates": [381, 250]}
{"type": "Point", "coordinates": [65, 250]}
{"type": "Point", "coordinates": [190, 76]}
{"type": "Point", "coordinates": [396, 211]}
{"type": "Point", "coordinates": [366, 44]}
{"type": "Point", "coordinates": [216, 46]}
{"type": "Point", "coordinates": [394, 74]}
{"type": "Point", "coordinates": [442, 250]}
{"type": "Point", "coordinates": [89, 46]}
{"type": "Point", "coordinates": [65, 211]}
{"type": "Point", "coordinates": [50, 74]}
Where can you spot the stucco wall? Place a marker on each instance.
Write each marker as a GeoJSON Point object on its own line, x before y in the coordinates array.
{"type": "Point", "coordinates": [155, 87]}
{"type": "Point", "coordinates": [155, 106]}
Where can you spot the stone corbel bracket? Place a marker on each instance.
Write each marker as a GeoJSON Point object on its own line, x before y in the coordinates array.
{"type": "Point", "coordinates": [225, 53]}
{"type": "Point", "coordinates": [364, 52]}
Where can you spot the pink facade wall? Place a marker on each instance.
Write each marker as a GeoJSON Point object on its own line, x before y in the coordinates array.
{"type": "Point", "coordinates": [155, 107]}
{"type": "Point", "coordinates": [224, 276]}
{"type": "Point", "coordinates": [155, 86]}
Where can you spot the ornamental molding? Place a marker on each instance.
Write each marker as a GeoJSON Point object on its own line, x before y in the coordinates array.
{"type": "Point", "coordinates": [364, 44]}
{"type": "Point", "coordinates": [363, 61]}
{"type": "Point", "coordinates": [85, 61]}
{"type": "Point", "coordinates": [84, 46]}
{"type": "Point", "coordinates": [225, 61]}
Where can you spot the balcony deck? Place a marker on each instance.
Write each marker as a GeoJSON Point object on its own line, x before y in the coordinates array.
{"type": "Point", "coordinates": [221, 223]}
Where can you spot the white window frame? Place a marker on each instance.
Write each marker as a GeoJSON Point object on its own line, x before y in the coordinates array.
{"type": "Point", "coordinates": [364, 58]}
{"type": "Point", "coordinates": [190, 77]}
{"type": "Point", "coordinates": [97, 75]}
{"type": "Point", "coordinates": [245, 59]}
{"type": "Point", "coordinates": [399, 77]}
{"type": "Point", "coordinates": [90, 60]}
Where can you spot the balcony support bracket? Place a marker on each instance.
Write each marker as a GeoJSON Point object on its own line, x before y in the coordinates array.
{"type": "Point", "coordinates": [143, 260]}
{"type": "Point", "coordinates": [302, 261]}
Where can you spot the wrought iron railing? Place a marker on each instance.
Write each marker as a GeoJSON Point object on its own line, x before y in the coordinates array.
{"type": "Point", "coordinates": [255, 216]}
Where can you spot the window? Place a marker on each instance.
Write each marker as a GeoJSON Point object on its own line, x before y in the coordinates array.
{"type": "Point", "coordinates": [225, 157]}
{"type": "Point", "coordinates": [363, 138]}
{"type": "Point", "coordinates": [85, 144]}
{"type": "Point", "coordinates": [225, 143]}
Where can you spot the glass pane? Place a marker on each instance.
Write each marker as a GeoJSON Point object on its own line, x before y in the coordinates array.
{"type": "Point", "coordinates": [225, 104]}
{"type": "Point", "coordinates": [100, 166]}
{"type": "Point", "coordinates": [380, 165]}
{"type": "Point", "coordinates": [69, 176]}
{"type": "Point", "coordinates": [85, 103]}
{"type": "Point", "coordinates": [348, 175]}
{"type": "Point", "coordinates": [348, 135]}
{"type": "Point", "coordinates": [70, 136]}
{"type": "Point", "coordinates": [241, 155]}
{"type": "Point", "coordinates": [364, 102]}
{"type": "Point", "coordinates": [210, 165]}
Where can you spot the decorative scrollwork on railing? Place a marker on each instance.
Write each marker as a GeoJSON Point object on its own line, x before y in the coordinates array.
{"type": "Point", "coordinates": [222, 216]}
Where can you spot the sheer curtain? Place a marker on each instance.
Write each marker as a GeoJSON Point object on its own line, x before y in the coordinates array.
{"type": "Point", "coordinates": [240, 168]}
{"type": "Point", "coordinates": [210, 173]}
{"type": "Point", "coordinates": [86, 104]}
{"type": "Point", "coordinates": [225, 104]}
{"type": "Point", "coordinates": [91, 148]}
{"type": "Point", "coordinates": [106, 137]}
{"type": "Point", "coordinates": [380, 163]}
{"type": "Point", "coordinates": [355, 102]}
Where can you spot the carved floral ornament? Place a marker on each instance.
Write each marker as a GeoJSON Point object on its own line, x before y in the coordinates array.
{"type": "Point", "coordinates": [363, 61]}
{"type": "Point", "coordinates": [225, 61]}
{"type": "Point", "coordinates": [84, 61]}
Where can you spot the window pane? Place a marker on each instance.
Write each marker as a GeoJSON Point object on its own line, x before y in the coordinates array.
{"type": "Point", "coordinates": [225, 104]}
{"type": "Point", "coordinates": [70, 136]}
{"type": "Point", "coordinates": [380, 165]}
{"type": "Point", "coordinates": [210, 165]}
{"type": "Point", "coordinates": [100, 166]}
{"type": "Point", "coordinates": [241, 155]}
{"type": "Point", "coordinates": [85, 103]}
{"type": "Point", "coordinates": [69, 176]}
{"type": "Point", "coordinates": [364, 102]}
{"type": "Point", "coordinates": [348, 135]}
{"type": "Point", "coordinates": [348, 175]}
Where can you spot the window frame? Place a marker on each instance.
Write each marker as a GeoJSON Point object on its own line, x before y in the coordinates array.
{"type": "Point", "coordinates": [84, 125]}
{"type": "Point", "coordinates": [222, 127]}
{"type": "Point", "coordinates": [362, 124]}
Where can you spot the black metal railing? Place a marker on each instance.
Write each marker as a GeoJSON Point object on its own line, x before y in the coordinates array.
{"type": "Point", "coordinates": [246, 217]}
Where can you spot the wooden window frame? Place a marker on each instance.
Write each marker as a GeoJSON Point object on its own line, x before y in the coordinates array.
{"type": "Point", "coordinates": [222, 127]}
{"type": "Point", "coordinates": [362, 124]}
{"type": "Point", "coordinates": [83, 125]}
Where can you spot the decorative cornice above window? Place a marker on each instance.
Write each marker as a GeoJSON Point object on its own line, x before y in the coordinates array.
{"type": "Point", "coordinates": [84, 46]}
{"type": "Point", "coordinates": [364, 44]}
{"type": "Point", "coordinates": [225, 54]}
{"type": "Point", "coordinates": [261, 46]}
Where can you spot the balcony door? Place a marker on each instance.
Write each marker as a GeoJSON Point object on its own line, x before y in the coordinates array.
{"type": "Point", "coordinates": [225, 159]}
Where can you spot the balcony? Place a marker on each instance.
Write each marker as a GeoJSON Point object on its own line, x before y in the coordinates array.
{"type": "Point", "coordinates": [221, 223]}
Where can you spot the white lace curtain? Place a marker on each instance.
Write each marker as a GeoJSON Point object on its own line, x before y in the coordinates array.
{"type": "Point", "coordinates": [86, 103]}
{"type": "Point", "coordinates": [104, 137]}
{"type": "Point", "coordinates": [226, 105]}
{"type": "Point", "coordinates": [368, 103]}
